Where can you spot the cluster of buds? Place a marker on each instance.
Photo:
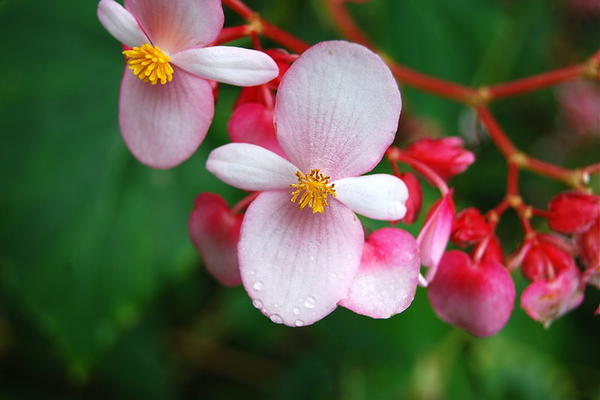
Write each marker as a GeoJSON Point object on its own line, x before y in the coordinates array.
{"type": "Point", "coordinates": [335, 108]}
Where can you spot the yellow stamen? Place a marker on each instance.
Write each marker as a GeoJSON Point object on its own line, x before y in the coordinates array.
{"type": "Point", "coordinates": [150, 64]}
{"type": "Point", "coordinates": [313, 189]}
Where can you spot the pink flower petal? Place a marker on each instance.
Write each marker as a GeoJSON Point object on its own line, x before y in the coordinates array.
{"type": "Point", "coordinates": [250, 167]}
{"type": "Point", "coordinates": [253, 123]}
{"type": "Point", "coordinates": [546, 300]}
{"type": "Point", "coordinates": [296, 266]}
{"type": "Point", "coordinates": [435, 234]}
{"type": "Point", "coordinates": [174, 25]}
{"type": "Point", "coordinates": [387, 278]}
{"type": "Point", "coordinates": [215, 232]}
{"type": "Point", "coordinates": [120, 23]}
{"type": "Point", "coordinates": [164, 124]}
{"type": "Point", "coordinates": [477, 298]}
{"type": "Point", "coordinates": [377, 196]}
{"type": "Point", "coordinates": [337, 109]}
{"type": "Point", "coordinates": [233, 65]}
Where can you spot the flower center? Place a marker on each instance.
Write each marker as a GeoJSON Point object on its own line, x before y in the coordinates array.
{"type": "Point", "coordinates": [150, 64]}
{"type": "Point", "coordinates": [312, 190]}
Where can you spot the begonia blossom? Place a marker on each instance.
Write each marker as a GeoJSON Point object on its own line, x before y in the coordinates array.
{"type": "Point", "coordinates": [166, 103]}
{"type": "Point", "coordinates": [301, 244]}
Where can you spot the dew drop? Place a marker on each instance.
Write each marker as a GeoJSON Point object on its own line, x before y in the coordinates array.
{"type": "Point", "coordinates": [258, 285]}
{"type": "Point", "coordinates": [276, 305]}
{"type": "Point", "coordinates": [276, 318]}
{"type": "Point", "coordinates": [312, 258]}
{"type": "Point", "coordinates": [296, 310]}
{"type": "Point", "coordinates": [252, 272]}
{"type": "Point", "coordinates": [310, 302]}
{"type": "Point", "coordinates": [257, 303]}
{"type": "Point", "coordinates": [299, 322]}
{"type": "Point", "coordinates": [333, 275]}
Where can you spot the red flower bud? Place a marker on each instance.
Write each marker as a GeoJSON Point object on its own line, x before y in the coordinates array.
{"type": "Point", "coordinates": [415, 197]}
{"type": "Point", "coordinates": [588, 245]}
{"type": "Point", "coordinates": [215, 233]}
{"type": "Point", "coordinates": [573, 212]}
{"type": "Point", "coordinates": [469, 227]}
{"type": "Point", "coordinates": [445, 156]}
{"type": "Point", "coordinates": [476, 297]}
{"type": "Point", "coordinates": [546, 258]}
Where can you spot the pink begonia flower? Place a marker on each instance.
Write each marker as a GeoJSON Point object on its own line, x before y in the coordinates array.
{"type": "Point", "coordinates": [435, 234]}
{"type": "Point", "coordinates": [215, 232]}
{"type": "Point", "coordinates": [546, 300]}
{"type": "Point", "coordinates": [166, 103]}
{"type": "Point", "coordinates": [476, 297]}
{"type": "Point", "coordinates": [387, 277]}
{"type": "Point", "coordinates": [337, 111]}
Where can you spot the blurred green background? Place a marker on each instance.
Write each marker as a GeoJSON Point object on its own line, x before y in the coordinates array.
{"type": "Point", "coordinates": [103, 296]}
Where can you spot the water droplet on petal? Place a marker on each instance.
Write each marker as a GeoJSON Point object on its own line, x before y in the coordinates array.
{"type": "Point", "coordinates": [299, 322]}
{"type": "Point", "coordinates": [257, 303]}
{"type": "Point", "coordinates": [258, 285]}
{"type": "Point", "coordinates": [296, 310]}
{"type": "Point", "coordinates": [276, 318]}
{"type": "Point", "coordinates": [333, 275]}
{"type": "Point", "coordinates": [312, 258]}
{"type": "Point", "coordinates": [310, 302]}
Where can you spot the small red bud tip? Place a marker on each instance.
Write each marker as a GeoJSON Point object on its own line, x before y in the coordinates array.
{"type": "Point", "coordinates": [476, 297]}
{"type": "Point", "coordinates": [215, 233]}
{"type": "Point", "coordinates": [573, 212]}
{"type": "Point", "coordinates": [445, 156]}
{"type": "Point", "coordinates": [415, 197]}
{"type": "Point", "coordinates": [469, 227]}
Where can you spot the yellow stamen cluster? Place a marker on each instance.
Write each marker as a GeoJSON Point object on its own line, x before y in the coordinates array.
{"type": "Point", "coordinates": [312, 190]}
{"type": "Point", "coordinates": [150, 64]}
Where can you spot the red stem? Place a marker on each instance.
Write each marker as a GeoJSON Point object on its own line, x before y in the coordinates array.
{"type": "Point", "coordinates": [261, 26]}
{"type": "Point", "coordinates": [496, 133]}
{"type": "Point", "coordinates": [232, 33]}
{"type": "Point", "coordinates": [536, 82]}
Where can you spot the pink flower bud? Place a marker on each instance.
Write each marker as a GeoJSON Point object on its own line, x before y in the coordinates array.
{"type": "Point", "coordinates": [253, 123]}
{"type": "Point", "coordinates": [493, 251]}
{"type": "Point", "coordinates": [476, 297]}
{"type": "Point", "coordinates": [546, 300]}
{"type": "Point", "coordinates": [469, 227]}
{"type": "Point", "coordinates": [215, 232]}
{"type": "Point", "coordinates": [546, 258]}
{"type": "Point", "coordinates": [435, 234]}
{"type": "Point", "coordinates": [573, 212]}
{"type": "Point", "coordinates": [415, 197]}
{"type": "Point", "coordinates": [445, 156]}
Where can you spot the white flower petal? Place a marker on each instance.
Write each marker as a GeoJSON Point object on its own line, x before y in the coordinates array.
{"type": "Point", "coordinates": [120, 23]}
{"type": "Point", "coordinates": [377, 196]}
{"type": "Point", "coordinates": [250, 167]}
{"type": "Point", "coordinates": [233, 65]}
